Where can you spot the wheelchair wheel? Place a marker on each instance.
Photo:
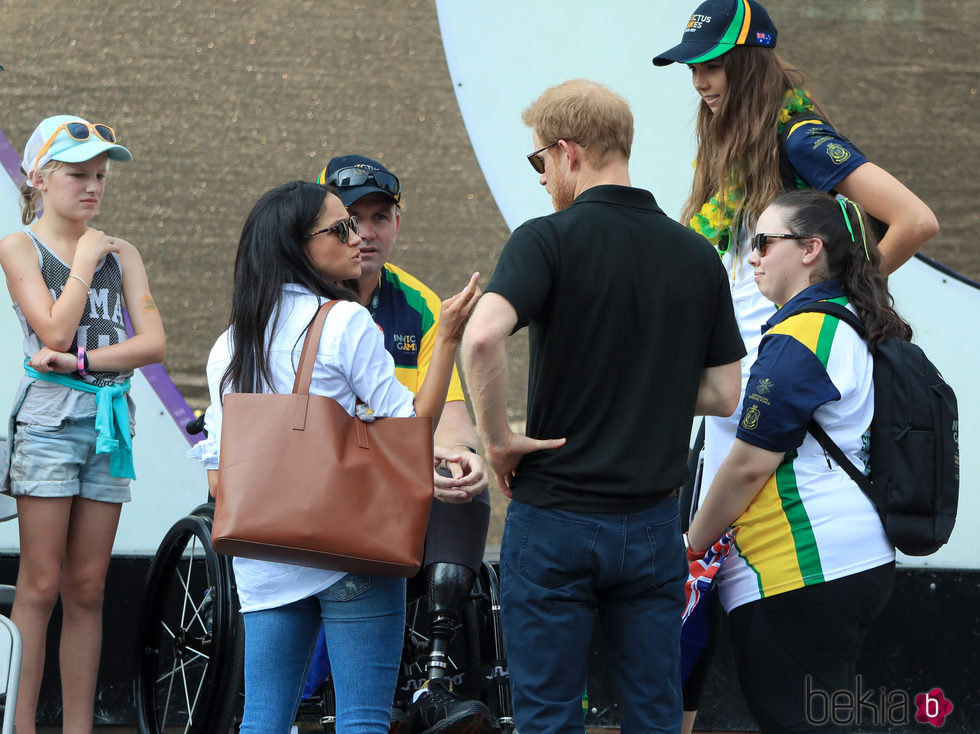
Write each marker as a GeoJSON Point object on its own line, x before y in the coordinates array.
{"type": "Point", "coordinates": [493, 655]}
{"type": "Point", "coordinates": [191, 645]}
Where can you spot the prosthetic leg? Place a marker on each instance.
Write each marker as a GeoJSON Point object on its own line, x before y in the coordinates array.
{"type": "Point", "coordinates": [447, 586]}
{"type": "Point", "coordinates": [438, 709]}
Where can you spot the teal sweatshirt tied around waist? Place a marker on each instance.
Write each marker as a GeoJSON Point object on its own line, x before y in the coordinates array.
{"type": "Point", "coordinates": [111, 419]}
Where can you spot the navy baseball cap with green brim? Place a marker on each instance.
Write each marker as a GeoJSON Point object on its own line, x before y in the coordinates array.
{"type": "Point", "coordinates": [718, 26]}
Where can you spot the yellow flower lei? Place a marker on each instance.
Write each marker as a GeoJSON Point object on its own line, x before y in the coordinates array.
{"type": "Point", "coordinates": [715, 221]}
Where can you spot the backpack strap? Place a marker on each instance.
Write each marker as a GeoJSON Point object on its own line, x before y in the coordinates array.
{"type": "Point", "coordinates": [828, 445]}
{"type": "Point", "coordinates": [835, 309]}
{"type": "Point", "coordinates": [825, 441]}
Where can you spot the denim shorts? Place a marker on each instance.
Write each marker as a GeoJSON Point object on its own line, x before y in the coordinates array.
{"type": "Point", "coordinates": [60, 461]}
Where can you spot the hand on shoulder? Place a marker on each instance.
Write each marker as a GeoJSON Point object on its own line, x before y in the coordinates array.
{"type": "Point", "coordinates": [95, 244]}
{"type": "Point", "coordinates": [123, 248]}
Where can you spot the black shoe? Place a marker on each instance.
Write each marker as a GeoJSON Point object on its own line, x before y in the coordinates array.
{"type": "Point", "coordinates": [438, 710]}
{"type": "Point", "coordinates": [400, 723]}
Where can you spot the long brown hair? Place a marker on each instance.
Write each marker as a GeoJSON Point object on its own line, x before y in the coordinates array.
{"type": "Point", "coordinates": [739, 146]}
{"type": "Point", "coordinates": [850, 254]}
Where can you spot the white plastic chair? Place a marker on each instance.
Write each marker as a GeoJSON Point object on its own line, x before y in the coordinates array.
{"type": "Point", "coordinates": [11, 650]}
{"type": "Point", "coordinates": [11, 653]}
{"type": "Point", "coordinates": [8, 505]}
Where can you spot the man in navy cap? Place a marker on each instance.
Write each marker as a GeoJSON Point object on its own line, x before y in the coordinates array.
{"type": "Point", "coordinates": [408, 313]}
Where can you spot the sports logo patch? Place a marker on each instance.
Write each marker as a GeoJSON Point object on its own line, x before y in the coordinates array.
{"type": "Point", "coordinates": [405, 342]}
{"type": "Point", "coordinates": [750, 421]}
{"type": "Point", "coordinates": [838, 153]}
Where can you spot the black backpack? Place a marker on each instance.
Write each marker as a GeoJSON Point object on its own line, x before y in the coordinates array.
{"type": "Point", "coordinates": [915, 459]}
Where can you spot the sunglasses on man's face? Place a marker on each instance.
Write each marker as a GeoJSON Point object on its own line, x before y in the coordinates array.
{"type": "Point", "coordinates": [78, 131]}
{"type": "Point", "coordinates": [342, 229]}
{"type": "Point", "coordinates": [761, 242]}
{"type": "Point", "coordinates": [536, 161]}
{"type": "Point", "coordinates": [346, 178]}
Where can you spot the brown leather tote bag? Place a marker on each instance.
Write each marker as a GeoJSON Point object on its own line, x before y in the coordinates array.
{"type": "Point", "coordinates": [300, 481]}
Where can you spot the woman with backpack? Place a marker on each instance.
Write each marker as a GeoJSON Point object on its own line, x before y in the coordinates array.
{"type": "Point", "coordinates": [814, 565]}
{"type": "Point", "coordinates": [760, 132]}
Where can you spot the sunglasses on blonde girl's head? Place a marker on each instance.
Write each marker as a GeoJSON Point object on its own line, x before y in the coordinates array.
{"type": "Point", "coordinates": [761, 242]}
{"type": "Point", "coordinates": [342, 229]}
{"type": "Point", "coordinates": [80, 131]}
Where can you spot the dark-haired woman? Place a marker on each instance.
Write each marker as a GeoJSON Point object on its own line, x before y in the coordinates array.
{"type": "Point", "coordinates": [760, 132]}
{"type": "Point", "coordinates": [813, 566]}
{"type": "Point", "coordinates": [298, 249]}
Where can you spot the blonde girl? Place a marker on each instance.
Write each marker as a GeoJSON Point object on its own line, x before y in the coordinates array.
{"type": "Point", "coordinates": [70, 458]}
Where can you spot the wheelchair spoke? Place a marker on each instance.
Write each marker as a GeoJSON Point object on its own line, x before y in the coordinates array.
{"type": "Point", "coordinates": [190, 709]}
{"type": "Point", "coordinates": [188, 602]}
{"type": "Point", "coordinates": [186, 583]}
{"type": "Point", "coordinates": [180, 661]}
{"type": "Point", "coordinates": [191, 705]}
{"type": "Point", "coordinates": [168, 630]}
{"type": "Point", "coordinates": [196, 614]}
{"type": "Point", "coordinates": [170, 687]}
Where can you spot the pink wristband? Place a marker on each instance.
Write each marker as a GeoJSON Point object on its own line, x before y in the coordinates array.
{"type": "Point", "coordinates": [82, 361]}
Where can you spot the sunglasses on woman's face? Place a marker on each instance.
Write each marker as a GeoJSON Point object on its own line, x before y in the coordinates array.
{"type": "Point", "coordinates": [342, 229]}
{"type": "Point", "coordinates": [78, 131]}
{"type": "Point", "coordinates": [761, 242]}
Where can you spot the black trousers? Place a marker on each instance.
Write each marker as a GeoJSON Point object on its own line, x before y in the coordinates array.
{"type": "Point", "coordinates": [791, 647]}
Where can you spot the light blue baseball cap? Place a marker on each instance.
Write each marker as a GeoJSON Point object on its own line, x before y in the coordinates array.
{"type": "Point", "coordinates": [70, 139]}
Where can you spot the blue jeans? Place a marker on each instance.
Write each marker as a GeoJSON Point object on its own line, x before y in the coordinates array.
{"type": "Point", "coordinates": [559, 570]}
{"type": "Point", "coordinates": [60, 461]}
{"type": "Point", "coordinates": [364, 621]}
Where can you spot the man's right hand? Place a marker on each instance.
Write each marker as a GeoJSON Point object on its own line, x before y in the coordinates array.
{"type": "Point", "coordinates": [506, 455]}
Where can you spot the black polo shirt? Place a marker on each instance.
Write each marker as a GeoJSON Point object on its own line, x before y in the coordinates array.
{"type": "Point", "coordinates": [625, 306]}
